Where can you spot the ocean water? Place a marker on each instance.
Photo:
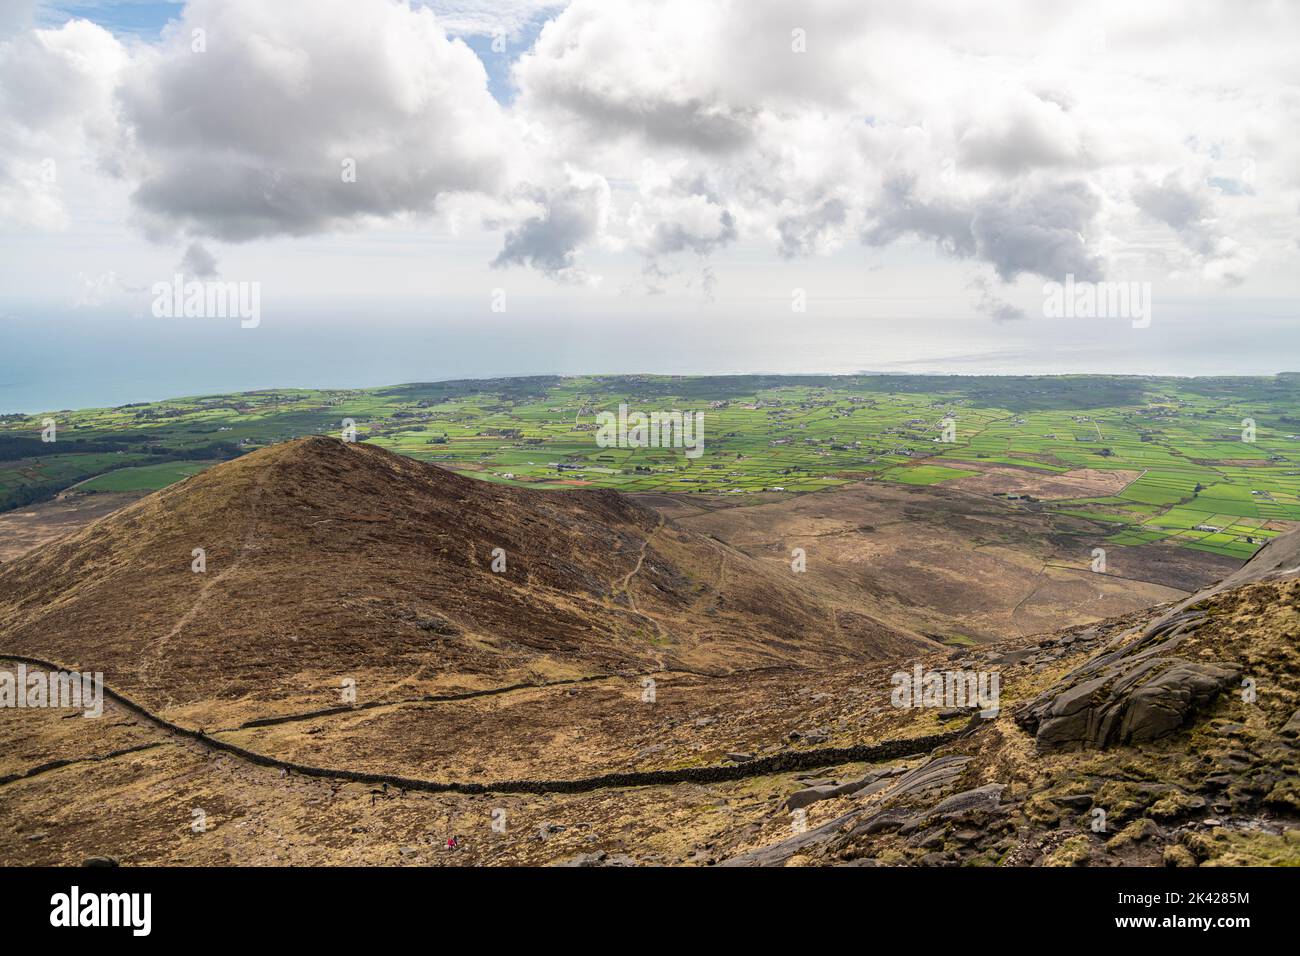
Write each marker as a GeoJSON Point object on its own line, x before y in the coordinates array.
{"type": "Point", "coordinates": [78, 359]}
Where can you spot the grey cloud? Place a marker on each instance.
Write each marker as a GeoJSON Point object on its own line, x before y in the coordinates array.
{"type": "Point", "coordinates": [1184, 209]}
{"type": "Point", "coordinates": [199, 262]}
{"type": "Point", "coordinates": [653, 276]}
{"type": "Point", "coordinates": [1039, 229]}
{"type": "Point", "coordinates": [694, 123]}
{"type": "Point", "coordinates": [1031, 133]}
{"type": "Point", "coordinates": [246, 140]}
{"type": "Point", "coordinates": [623, 70]}
{"type": "Point", "coordinates": [1013, 150]}
{"type": "Point", "coordinates": [670, 237]}
{"type": "Point", "coordinates": [708, 283]}
{"type": "Point", "coordinates": [992, 305]}
{"type": "Point", "coordinates": [1172, 203]}
{"type": "Point", "coordinates": [802, 233]}
{"type": "Point", "coordinates": [690, 214]}
{"type": "Point", "coordinates": [250, 139]}
{"type": "Point", "coordinates": [900, 213]}
{"type": "Point", "coordinates": [572, 215]}
{"type": "Point", "coordinates": [237, 199]}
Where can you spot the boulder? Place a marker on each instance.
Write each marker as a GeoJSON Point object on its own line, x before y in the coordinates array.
{"type": "Point", "coordinates": [981, 798]}
{"type": "Point", "coordinates": [952, 713]}
{"type": "Point", "coordinates": [810, 795]}
{"type": "Point", "coordinates": [818, 735]}
{"type": "Point", "coordinates": [1137, 693]}
{"type": "Point", "coordinates": [817, 790]}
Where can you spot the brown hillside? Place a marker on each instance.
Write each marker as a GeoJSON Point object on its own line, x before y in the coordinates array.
{"type": "Point", "coordinates": [328, 561]}
{"type": "Point", "coordinates": [1144, 718]}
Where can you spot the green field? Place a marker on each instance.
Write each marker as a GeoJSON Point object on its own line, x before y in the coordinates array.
{"type": "Point", "coordinates": [925, 474]}
{"type": "Point", "coordinates": [1201, 483]}
{"type": "Point", "coordinates": [143, 477]}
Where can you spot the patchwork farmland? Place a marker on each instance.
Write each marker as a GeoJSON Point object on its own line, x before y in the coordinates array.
{"type": "Point", "coordinates": [1207, 464]}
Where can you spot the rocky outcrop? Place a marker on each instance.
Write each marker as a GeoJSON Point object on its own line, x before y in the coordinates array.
{"type": "Point", "coordinates": [871, 783]}
{"type": "Point", "coordinates": [1140, 692]}
{"type": "Point", "coordinates": [926, 780]}
{"type": "Point", "coordinates": [986, 797]}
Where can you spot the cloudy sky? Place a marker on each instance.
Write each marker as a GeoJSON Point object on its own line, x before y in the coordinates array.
{"type": "Point", "coordinates": [922, 167]}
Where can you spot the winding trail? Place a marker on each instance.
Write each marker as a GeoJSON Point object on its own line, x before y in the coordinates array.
{"type": "Point", "coordinates": [640, 560]}
{"type": "Point", "coordinates": [150, 658]}
{"type": "Point", "coordinates": [626, 588]}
